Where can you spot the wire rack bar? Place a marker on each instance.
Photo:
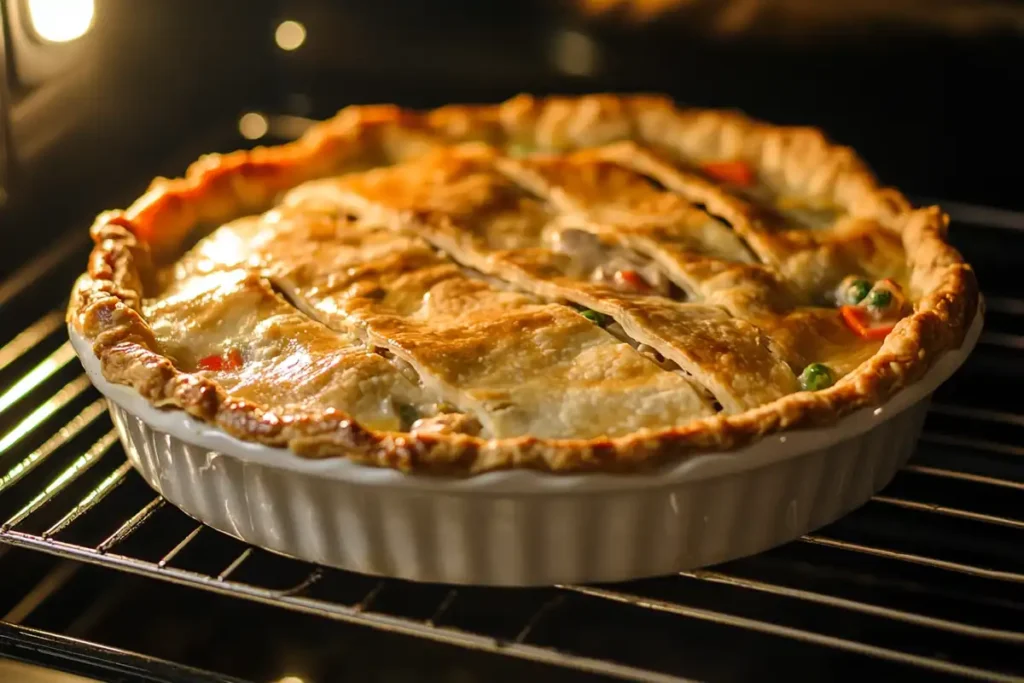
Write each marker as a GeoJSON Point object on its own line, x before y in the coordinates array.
{"type": "Point", "coordinates": [70, 392]}
{"type": "Point", "coordinates": [981, 572]}
{"type": "Point", "coordinates": [791, 633]}
{"type": "Point", "coordinates": [69, 431]}
{"type": "Point", "coordinates": [131, 524]}
{"type": "Point", "coordinates": [549, 606]}
{"type": "Point", "coordinates": [449, 598]}
{"type": "Point", "coordinates": [173, 552]}
{"type": "Point", "coordinates": [949, 512]}
{"type": "Point", "coordinates": [106, 662]}
{"type": "Point", "coordinates": [329, 610]}
{"type": "Point", "coordinates": [39, 374]}
{"type": "Point", "coordinates": [857, 606]}
{"type": "Point", "coordinates": [235, 564]}
{"type": "Point", "coordinates": [969, 442]}
{"type": "Point", "coordinates": [29, 337]}
{"type": "Point", "coordinates": [297, 589]}
{"type": "Point", "coordinates": [101, 490]}
{"type": "Point", "coordinates": [361, 612]}
{"type": "Point", "coordinates": [77, 468]}
{"type": "Point", "coordinates": [963, 476]}
{"type": "Point", "coordinates": [364, 604]}
{"type": "Point", "coordinates": [977, 413]}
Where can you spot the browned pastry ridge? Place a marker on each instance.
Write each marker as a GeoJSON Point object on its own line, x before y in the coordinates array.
{"type": "Point", "coordinates": [437, 262]}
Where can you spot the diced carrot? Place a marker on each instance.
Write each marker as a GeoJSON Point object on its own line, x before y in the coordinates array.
{"type": "Point", "coordinates": [213, 363]}
{"type": "Point", "coordinates": [858, 320]}
{"type": "Point", "coordinates": [234, 359]}
{"type": "Point", "coordinates": [732, 172]}
{"type": "Point", "coordinates": [632, 279]}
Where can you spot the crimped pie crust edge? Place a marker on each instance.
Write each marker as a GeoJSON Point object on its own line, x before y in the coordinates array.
{"type": "Point", "coordinates": [105, 301]}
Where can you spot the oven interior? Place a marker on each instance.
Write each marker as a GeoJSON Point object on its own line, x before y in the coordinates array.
{"type": "Point", "coordinates": [101, 578]}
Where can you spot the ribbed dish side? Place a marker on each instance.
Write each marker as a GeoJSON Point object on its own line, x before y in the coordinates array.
{"type": "Point", "coordinates": [514, 540]}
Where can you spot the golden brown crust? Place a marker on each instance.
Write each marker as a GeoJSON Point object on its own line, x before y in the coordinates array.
{"type": "Point", "coordinates": [105, 304]}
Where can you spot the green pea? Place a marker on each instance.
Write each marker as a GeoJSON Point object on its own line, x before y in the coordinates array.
{"type": "Point", "coordinates": [880, 299]}
{"type": "Point", "coordinates": [856, 291]}
{"type": "Point", "coordinates": [597, 318]}
{"type": "Point", "coordinates": [816, 376]}
{"type": "Point", "coordinates": [408, 414]}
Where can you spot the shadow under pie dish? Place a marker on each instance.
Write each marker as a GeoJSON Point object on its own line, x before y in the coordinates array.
{"type": "Point", "coordinates": [552, 323]}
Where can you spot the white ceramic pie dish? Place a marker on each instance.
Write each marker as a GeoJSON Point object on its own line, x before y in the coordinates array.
{"type": "Point", "coordinates": [517, 528]}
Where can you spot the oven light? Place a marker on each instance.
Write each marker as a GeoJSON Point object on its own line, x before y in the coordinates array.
{"type": "Point", "coordinates": [290, 35]}
{"type": "Point", "coordinates": [253, 126]}
{"type": "Point", "coordinates": [291, 679]}
{"type": "Point", "coordinates": [61, 21]}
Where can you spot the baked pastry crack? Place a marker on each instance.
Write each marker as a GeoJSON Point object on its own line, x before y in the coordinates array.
{"type": "Point", "coordinates": [590, 283]}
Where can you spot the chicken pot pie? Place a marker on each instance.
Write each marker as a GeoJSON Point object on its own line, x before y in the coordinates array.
{"type": "Point", "coordinates": [567, 284]}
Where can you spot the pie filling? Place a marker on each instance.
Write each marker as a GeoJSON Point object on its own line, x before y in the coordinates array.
{"type": "Point", "coordinates": [614, 266]}
{"type": "Point", "coordinates": [438, 417]}
{"type": "Point", "coordinates": [467, 293]}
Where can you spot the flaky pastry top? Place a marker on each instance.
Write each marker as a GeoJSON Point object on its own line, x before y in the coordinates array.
{"type": "Point", "coordinates": [568, 284]}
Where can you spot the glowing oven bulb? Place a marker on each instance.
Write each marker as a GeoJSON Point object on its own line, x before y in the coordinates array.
{"type": "Point", "coordinates": [290, 35]}
{"type": "Point", "coordinates": [253, 126]}
{"type": "Point", "coordinates": [61, 21]}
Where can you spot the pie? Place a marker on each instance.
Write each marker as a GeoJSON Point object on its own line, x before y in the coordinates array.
{"type": "Point", "coordinates": [597, 283]}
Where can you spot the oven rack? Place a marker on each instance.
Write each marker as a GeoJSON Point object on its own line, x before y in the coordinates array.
{"type": "Point", "coordinates": [928, 577]}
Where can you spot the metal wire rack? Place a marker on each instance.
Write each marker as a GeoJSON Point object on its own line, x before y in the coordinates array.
{"type": "Point", "coordinates": [927, 577]}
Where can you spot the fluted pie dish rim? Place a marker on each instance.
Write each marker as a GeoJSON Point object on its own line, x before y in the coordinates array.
{"type": "Point", "coordinates": [105, 319]}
